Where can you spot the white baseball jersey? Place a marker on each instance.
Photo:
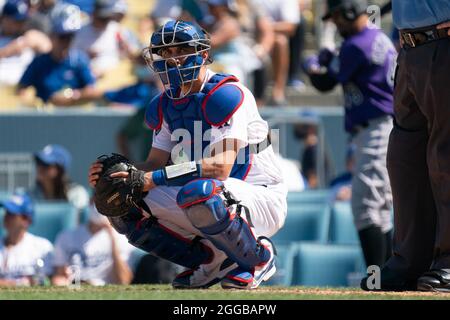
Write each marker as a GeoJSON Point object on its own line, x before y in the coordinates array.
{"type": "Point", "coordinates": [93, 252]}
{"type": "Point", "coordinates": [20, 260]}
{"type": "Point", "coordinates": [247, 126]}
{"type": "Point", "coordinates": [263, 190]}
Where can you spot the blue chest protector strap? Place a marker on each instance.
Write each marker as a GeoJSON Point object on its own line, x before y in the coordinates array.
{"type": "Point", "coordinates": [207, 105]}
{"type": "Point", "coordinates": [147, 234]}
{"type": "Point", "coordinates": [208, 206]}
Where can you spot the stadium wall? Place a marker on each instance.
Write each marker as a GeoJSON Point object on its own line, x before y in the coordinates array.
{"type": "Point", "coordinates": [87, 133]}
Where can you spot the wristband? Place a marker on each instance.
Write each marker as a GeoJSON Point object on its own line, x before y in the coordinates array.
{"type": "Point", "coordinates": [177, 174]}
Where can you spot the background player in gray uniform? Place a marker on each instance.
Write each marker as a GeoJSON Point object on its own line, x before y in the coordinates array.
{"type": "Point", "coordinates": [364, 66]}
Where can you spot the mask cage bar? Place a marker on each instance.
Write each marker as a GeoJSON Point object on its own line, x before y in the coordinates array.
{"type": "Point", "coordinates": [151, 57]}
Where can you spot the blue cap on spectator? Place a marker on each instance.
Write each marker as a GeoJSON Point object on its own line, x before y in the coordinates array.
{"type": "Point", "coordinates": [65, 18]}
{"type": "Point", "coordinates": [16, 9]}
{"type": "Point", "coordinates": [121, 6]}
{"type": "Point", "coordinates": [54, 154]}
{"type": "Point", "coordinates": [20, 203]}
{"type": "Point", "coordinates": [228, 3]}
{"type": "Point", "coordinates": [108, 8]}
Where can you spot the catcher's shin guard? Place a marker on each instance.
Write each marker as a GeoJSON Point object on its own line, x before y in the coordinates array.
{"type": "Point", "coordinates": [160, 241]}
{"type": "Point", "coordinates": [207, 204]}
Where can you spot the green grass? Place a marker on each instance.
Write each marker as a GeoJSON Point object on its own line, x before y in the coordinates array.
{"type": "Point", "coordinates": [165, 292]}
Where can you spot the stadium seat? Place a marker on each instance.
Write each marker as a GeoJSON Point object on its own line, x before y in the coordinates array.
{"type": "Point", "coordinates": [284, 263]}
{"type": "Point", "coordinates": [326, 264]}
{"type": "Point", "coordinates": [50, 219]}
{"type": "Point", "coordinates": [4, 195]}
{"type": "Point", "coordinates": [313, 196]}
{"type": "Point", "coordinates": [342, 227]}
{"type": "Point", "coordinates": [305, 222]}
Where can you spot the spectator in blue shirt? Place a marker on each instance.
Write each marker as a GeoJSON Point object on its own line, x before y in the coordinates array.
{"type": "Point", "coordinates": [61, 77]}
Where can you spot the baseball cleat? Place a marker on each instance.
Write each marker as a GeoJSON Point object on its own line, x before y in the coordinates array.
{"type": "Point", "coordinates": [435, 280]}
{"type": "Point", "coordinates": [245, 279]}
{"type": "Point", "coordinates": [206, 275]}
{"type": "Point", "coordinates": [391, 280]}
{"type": "Point", "coordinates": [238, 279]}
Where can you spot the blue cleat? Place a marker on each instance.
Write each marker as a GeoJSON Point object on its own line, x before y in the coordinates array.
{"type": "Point", "coordinates": [206, 275]}
{"type": "Point", "coordinates": [244, 279]}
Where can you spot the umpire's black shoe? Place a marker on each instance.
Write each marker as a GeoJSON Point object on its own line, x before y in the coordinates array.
{"type": "Point", "coordinates": [436, 280]}
{"type": "Point", "coordinates": [391, 281]}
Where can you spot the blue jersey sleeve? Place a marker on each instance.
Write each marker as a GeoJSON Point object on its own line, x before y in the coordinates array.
{"type": "Point", "coordinates": [351, 58]}
{"type": "Point", "coordinates": [29, 76]}
{"type": "Point", "coordinates": [87, 78]}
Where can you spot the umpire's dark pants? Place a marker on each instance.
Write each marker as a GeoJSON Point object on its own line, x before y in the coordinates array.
{"type": "Point", "coordinates": [418, 159]}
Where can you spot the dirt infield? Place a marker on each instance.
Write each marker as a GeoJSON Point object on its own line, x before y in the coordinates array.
{"type": "Point", "coordinates": [165, 292]}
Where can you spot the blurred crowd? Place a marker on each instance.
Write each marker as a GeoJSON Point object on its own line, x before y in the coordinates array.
{"type": "Point", "coordinates": [69, 53]}
{"type": "Point", "coordinates": [57, 53]}
{"type": "Point", "coordinates": [90, 251]}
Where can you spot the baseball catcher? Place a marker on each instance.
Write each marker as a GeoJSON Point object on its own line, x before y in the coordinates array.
{"type": "Point", "coordinates": [210, 194]}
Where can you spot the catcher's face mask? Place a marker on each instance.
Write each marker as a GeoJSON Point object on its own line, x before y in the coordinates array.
{"type": "Point", "coordinates": [176, 54]}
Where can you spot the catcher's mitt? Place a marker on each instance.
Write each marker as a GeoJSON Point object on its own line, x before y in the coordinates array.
{"type": "Point", "coordinates": [114, 197]}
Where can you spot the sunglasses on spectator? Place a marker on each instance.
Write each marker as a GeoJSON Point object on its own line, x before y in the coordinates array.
{"type": "Point", "coordinates": [12, 214]}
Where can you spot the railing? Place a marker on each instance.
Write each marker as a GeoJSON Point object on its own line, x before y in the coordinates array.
{"type": "Point", "coordinates": [16, 170]}
{"type": "Point", "coordinates": [89, 132]}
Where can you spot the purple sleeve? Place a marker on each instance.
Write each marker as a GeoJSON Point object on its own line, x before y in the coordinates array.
{"type": "Point", "coordinates": [351, 58]}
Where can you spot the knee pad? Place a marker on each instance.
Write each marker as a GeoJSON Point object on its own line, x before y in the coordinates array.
{"type": "Point", "coordinates": [212, 210]}
{"type": "Point", "coordinates": [160, 241]}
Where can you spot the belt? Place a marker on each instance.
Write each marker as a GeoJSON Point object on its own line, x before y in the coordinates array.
{"type": "Point", "coordinates": [416, 37]}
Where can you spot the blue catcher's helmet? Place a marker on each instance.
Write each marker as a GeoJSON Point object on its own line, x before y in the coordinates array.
{"type": "Point", "coordinates": [177, 71]}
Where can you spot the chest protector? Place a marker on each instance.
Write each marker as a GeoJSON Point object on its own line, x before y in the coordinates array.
{"type": "Point", "coordinates": [197, 113]}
